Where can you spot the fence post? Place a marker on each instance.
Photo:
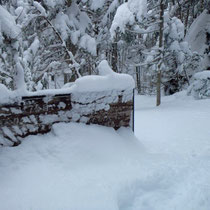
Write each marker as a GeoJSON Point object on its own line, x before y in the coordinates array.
{"type": "Point", "coordinates": [133, 111]}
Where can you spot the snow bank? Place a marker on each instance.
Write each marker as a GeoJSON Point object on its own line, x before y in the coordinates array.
{"type": "Point", "coordinates": [80, 167]}
{"type": "Point", "coordinates": [73, 167]}
{"type": "Point", "coordinates": [176, 135]}
{"type": "Point", "coordinates": [200, 87]}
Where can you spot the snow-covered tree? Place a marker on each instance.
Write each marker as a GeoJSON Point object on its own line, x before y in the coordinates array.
{"type": "Point", "coordinates": [9, 47]}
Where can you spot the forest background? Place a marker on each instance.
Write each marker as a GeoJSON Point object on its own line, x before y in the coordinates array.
{"type": "Point", "coordinates": [161, 43]}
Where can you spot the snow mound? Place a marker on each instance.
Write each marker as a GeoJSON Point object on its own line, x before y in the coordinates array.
{"type": "Point", "coordinates": [80, 167]}
{"type": "Point", "coordinates": [107, 80]}
{"type": "Point", "coordinates": [70, 168]}
{"type": "Point", "coordinates": [200, 87]}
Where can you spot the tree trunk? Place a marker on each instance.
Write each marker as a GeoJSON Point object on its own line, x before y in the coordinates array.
{"type": "Point", "coordinates": [114, 56]}
{"type": "Point", "coordinates": [202, 5]}
{"type": "Point", "coordinates": [186, 19]}
{"type": "Point", "coordinates": [158, 101]}
{"type": "Point", "coordinates": [138, 80]}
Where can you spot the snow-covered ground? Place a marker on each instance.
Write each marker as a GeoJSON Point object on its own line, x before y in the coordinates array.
{"type": "Point", "coordinates": [80, 167]}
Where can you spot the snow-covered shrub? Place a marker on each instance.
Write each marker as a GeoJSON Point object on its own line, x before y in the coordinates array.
{"type": "Point", "coordinates": [200, 87]}
{"type": "Point", "coordinates": [180, 61]}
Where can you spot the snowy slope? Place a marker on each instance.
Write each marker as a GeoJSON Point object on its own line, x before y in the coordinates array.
{"type": "Point", "coordinates": [80, 167]}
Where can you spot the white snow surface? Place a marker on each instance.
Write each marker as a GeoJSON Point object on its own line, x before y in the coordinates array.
{"type": "Point", "coordinates": [80, 167]}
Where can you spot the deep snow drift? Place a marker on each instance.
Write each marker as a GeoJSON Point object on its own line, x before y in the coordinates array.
{"type": "Point", "coordinates": [80, 167]}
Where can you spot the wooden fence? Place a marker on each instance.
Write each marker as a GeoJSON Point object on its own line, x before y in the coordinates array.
{"type": "Point", "coordinates": [31, 115]}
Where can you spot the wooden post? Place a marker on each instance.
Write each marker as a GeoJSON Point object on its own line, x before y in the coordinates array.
{"type": "Point", "coordinates": [114, 55]}
{"type": "Point", "coordinates": [133, 113]}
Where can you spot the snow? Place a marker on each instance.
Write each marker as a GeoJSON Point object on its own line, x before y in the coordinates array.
{"type": "Point", "coordinates": [54, 3]}
{"type": "Point", "coordinates": [202, 75]}
{"type": "Point", "coordinates": [122, 17]}
{"type": "Point", "coordinates": [88, 43]}
{"type": "Point", "coordinates": [112, 7]}
{"type": "Point", "coordinates": [196, 36]}
{"type": "Point", "coordinates": [104, 68]}
{"type": "Point", "coordinates": [97, 4]}
{"type": "Point", "coordinates": [200, 87]}
{"type": "Point", "coordinates": [19, 79]}
{"type": "Point", "coordinates": [177, 29]}
{"type": "Point", "coordinates": [138, 7]}
{"type": "Point", "coordinates": [126, 14]}
{"type": "Point", "coordinates": [5, 94]}
{"type": "Point", "coordinates": [100, 83]}
{"type": "Point", "coordinates": [82, 167]}
{"type": "Point", "coordinates": [62, 23]}
{"type": "Point", "coordinates": [40, 8]}
{"type": "Point", "coordinates": [107, 80]}
{"type": "Point", "coordinates": [7, 24]}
